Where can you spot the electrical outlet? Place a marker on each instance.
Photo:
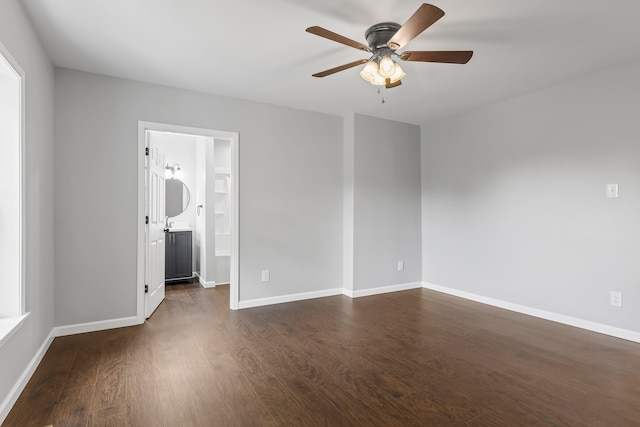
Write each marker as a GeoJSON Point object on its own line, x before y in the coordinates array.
{"type": "Point", "coordinates": [400, 265]}
{"type": "Point", "coordinates": [266, 276]}
{"type": "Point", "coordinates": [615, 298]}
{"type": "Point", "coordinates": [612, 191]}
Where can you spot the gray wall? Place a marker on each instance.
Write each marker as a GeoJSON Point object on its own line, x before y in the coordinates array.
{"type": "Point", "coordinates": [387, 222]}
{"type": "Point", "coordinates": [290, 191]}
{"type": "Point", "coordinates": [514, 203]}
{"type": "Point", "coordinates": [19, 39]}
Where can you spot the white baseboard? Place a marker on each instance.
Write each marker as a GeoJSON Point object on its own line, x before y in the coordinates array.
{"type": "Point", "coordinates": [381, 290]}
{"type": "Point", "coordinates": [12, 397]}
{"type": "Point", "coordinates": [289, 298]}
{"type": "Point", "coordinates": [328, 293]}
{"type": "Point", "coordinates": [542, 314]}
{"type": "Point", "coordinates": [203, 282]}
{"type": "Point", "coordinates": [206, 284]}
{"type": "Point", "coordinates": [80, 328]}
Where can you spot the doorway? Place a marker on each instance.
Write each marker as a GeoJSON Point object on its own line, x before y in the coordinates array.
{"type": "Point", "coordinates": [197, 196]}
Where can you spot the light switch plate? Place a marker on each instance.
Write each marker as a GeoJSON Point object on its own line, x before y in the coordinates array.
{"type": "Point", "coordinates": [265, 275]}
{"type": "Point", "coordinates": [612, 191]}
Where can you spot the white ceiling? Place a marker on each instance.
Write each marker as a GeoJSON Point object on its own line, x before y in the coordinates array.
{"type": "Point", "coordinates": [259, 50]}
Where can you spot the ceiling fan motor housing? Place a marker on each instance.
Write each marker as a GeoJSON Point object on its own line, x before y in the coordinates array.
{"type": "Point", "coordinates": [379, 34]}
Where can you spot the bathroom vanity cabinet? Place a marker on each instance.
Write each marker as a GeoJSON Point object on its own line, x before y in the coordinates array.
{"type": "Point", "coordinates": [178, 255]}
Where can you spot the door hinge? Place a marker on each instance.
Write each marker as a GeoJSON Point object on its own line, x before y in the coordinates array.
{"type": "Point", "coordinates": [146, 151]}
{"type": "Point", "coordinates": [146, 289]}
{"type": "Point", "coordinates": [146, 219]}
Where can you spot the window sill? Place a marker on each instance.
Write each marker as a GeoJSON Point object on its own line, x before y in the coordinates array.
{"type": "Point", "coordinates": [9, 326]}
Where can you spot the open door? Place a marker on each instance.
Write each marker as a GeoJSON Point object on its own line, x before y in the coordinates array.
{"type": "Point", "coordinates": [155, 236]}
{"type": "Point", "coordinates": [151, 205]}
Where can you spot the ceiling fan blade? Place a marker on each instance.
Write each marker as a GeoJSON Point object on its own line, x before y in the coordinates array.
{"type": "Point", "coordinates": [422, 19]}
{"type": "Point", "coordinates": [390, 85]}
{"type": "Point", "coordinates": [340, 68]}
{"type": "Point", "coordinates": [319, 31]}
{"type": "Point", "coordinates": [446, 56]}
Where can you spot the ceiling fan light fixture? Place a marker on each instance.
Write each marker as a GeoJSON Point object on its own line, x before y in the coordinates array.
{"type": "Point", "coordinates": [398, 73]}
{"type": "Point", "coordinates": [378, 70]}
{"type": "Point", "coordinates": [379, 80]}
{"type": "Point", "coordinates": [386, 67]}
{"type": "Point", "coordinates": [370, 71]}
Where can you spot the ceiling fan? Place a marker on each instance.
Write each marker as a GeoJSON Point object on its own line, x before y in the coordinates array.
{"type": "Point", "coordinates": [384, 39]}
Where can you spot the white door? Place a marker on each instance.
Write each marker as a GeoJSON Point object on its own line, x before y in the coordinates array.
{"type": "Point", "coordinates": [155, 245]}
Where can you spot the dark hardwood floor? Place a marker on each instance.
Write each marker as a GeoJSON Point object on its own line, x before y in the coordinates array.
{"type": "Point", "coordinates": [408, 358]}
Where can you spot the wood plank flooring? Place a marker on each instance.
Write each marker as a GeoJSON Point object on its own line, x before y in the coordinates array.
{"type": "Point", "coordinates": [408, 358]}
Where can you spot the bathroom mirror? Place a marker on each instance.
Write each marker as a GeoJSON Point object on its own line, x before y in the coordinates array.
{"type": "Point", "coordinates": [176, 197]}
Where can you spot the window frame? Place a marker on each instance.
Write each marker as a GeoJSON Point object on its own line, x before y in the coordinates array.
{"type": "Point", "coordinates": [12, 320]}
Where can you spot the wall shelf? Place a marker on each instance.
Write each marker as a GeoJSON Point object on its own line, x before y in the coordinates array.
{"type": "Point", "coordinates": [222, 184]}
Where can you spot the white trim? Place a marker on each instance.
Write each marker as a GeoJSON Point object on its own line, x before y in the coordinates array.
{"type": "Point", "coordinates": [234, 138]}
{"type": "Point", "coordinates": [20, 74]}
{"type": "Point", "coordinates": [19, 386]}
{"type": "Point", "coordinates": [328, 293]}
{"type": "Point", "coordinates": [234, 215]}
{"type": "Point", "coordinates": [204, 283]}
{"type": "Point", "coordinates": [81, 328]}
{"type": "Point", "coordinates": [9, 326]}
{"type": "Point", "coordinates": [381, 290]}
{"type": "Point", "coordinates": [290, 298]}
{"type": "Point", "coordinates": [22, 173]}
{"type": "Point", "coordinates": [542, 314]}
{"type": "Point", "coordinates": [141, 260]}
